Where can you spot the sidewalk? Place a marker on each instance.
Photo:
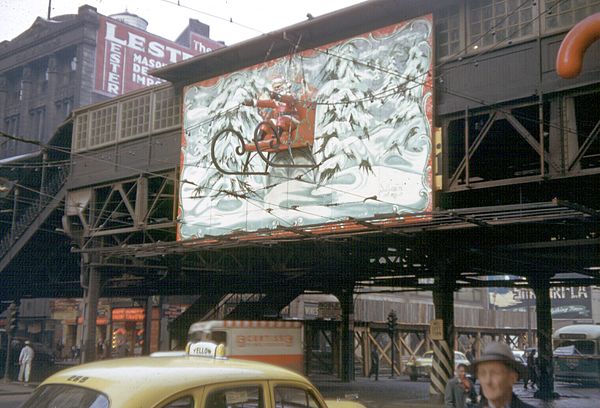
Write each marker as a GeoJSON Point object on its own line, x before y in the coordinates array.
{"type": "Point", "coordinates": [16, 388]}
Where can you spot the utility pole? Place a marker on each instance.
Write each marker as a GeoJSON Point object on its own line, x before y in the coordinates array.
{"type": "Point", "coordinates": [49, 8]}
{"type": "Point", "coordinates": [12, 316]}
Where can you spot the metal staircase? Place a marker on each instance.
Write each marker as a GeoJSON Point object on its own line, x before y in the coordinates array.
{"type": "Point", "coordinates": [33, 217]}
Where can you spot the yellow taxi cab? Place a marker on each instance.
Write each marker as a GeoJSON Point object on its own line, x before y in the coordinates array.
{"type": "Point", "coordinates": [200, 377]}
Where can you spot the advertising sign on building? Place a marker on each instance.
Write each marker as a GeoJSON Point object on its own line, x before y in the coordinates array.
{"type": "Point", "coordinates": [569, 302]}
{"type": "Point", "coordinates": [125, 55]}
{"type": "Point", "coordinates": [202, 44]}
{"type": "Point", "coordinates": [341, 130]}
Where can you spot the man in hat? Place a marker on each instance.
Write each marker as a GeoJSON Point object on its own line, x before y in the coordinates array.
{"type": "Point", "coordinates": [25, 360]}
{"type": "Point", "coordinates": [497, 371]}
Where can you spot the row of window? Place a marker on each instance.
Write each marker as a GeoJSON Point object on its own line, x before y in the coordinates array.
{"type": "Point", "coordinates": [475, 24]}
{"type": "Point", "coordinates": [127, 119]}
{"type": "Point", "coordinates": [36, 124]}
{"type": "Point", "coordinates": [38, 75]}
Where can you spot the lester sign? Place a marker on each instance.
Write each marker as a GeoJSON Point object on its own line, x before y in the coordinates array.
{"type": "Point", "coordinates": [125, 54]}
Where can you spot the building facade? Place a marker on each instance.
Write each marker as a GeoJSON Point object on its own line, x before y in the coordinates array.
{"type": "Point", "coordinates": [76, 60]}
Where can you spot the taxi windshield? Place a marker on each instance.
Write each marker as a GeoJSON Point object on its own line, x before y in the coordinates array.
{"type": "Point", "coordinates": [66, 396]}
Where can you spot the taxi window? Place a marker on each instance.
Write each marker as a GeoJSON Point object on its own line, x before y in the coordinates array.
{"type": "Point", "coordinates": [236, 397]}
{"type": "Point", "coordinates": [66, 396]}
{"type": "Point", "coordinates": [292, 397]}
{"type": "Point", "coordinates": [185, 402]}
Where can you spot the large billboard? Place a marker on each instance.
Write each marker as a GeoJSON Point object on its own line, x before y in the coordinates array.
{"type": "Point", "coordinates": [567, 302]}
{"type": "Point", "coordinates": [342, 130]}
{"type": "Point", "coordinates": [125, 54]}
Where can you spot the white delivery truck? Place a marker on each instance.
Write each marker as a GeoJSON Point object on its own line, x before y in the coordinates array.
{"type": "Point", "coordinates": [271, 341]}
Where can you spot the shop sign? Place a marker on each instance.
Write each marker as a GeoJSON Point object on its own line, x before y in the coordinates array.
{"type": "Point", "coordinates": [129, 314]}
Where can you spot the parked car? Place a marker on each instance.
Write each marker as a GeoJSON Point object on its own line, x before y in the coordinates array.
{"type": "Point", "coordinates": [520, 356]}
{"type": "Point", "coordinates": [200, 377]}
{"type": "Point", "coordinates": [421, 366]}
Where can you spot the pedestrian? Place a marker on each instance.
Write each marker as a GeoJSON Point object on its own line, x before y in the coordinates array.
{"type": "Point", "coordinates": [469, 354]}
{"type": "Point", "coordinates": [374, 364]}
{"type": "Point", "coordinates": [460, 391]}
{"type": "Point", "coordinates": [531, 370]}
{"type": "Point", "coordinates": [497, 371]}
{"type": "Point", "coordinates": [25, 360]}
{"type": "Point", "coordinates": [105, 348]}
{"type": "Point", "coordinates": [58, 350]}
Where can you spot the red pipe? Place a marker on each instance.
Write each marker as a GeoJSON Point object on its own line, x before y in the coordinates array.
{"type": "Point", "coordinates": [570, 55]}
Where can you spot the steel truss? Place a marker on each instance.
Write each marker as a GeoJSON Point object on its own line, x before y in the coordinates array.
{"type": "Point", "coordinates": [522, 143]}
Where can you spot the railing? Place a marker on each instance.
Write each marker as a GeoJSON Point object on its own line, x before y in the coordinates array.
{"type": "Point", "coordinates": [34, 210]}
{"type": "Point", "coordinates": [229, 302]}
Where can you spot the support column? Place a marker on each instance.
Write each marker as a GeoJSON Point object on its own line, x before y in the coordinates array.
{"type": "Point", "coordinates": [147, 327]}
{"type": "Point", "coordinates": [347, 303]}
{"type": "Point", "coordinates": [91, 313]}
{"type": "Point", "coordinates": [541, 288]}
{"type": "Point", "coordinates": [442, 368]}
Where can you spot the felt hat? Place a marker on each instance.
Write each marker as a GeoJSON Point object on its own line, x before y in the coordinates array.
{"type": "Point", "coordinates": [502, 353]}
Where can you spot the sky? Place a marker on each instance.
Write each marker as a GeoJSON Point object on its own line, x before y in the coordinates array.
{"type": "Point", "coordinates": [168, 19]}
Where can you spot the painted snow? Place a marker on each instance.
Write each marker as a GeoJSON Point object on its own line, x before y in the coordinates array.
{"type": "Point", "coordinates": [372, 137]}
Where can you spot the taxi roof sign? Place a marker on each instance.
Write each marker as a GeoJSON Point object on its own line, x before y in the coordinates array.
{"type": "Point", "coordinates": [205, 349]}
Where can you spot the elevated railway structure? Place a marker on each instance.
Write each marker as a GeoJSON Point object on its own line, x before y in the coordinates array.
{"type": "Point", "coordinates": [513, 182]}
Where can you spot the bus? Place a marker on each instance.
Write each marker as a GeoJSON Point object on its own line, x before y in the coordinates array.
{"type": "Point", "coordinates": [577, 353]}
{"type": "Point", "coordinates": [270, 341]}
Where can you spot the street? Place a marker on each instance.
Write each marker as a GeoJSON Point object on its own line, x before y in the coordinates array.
{"type": "Point", "coordinates": [385, 393]}
{"type": "Point", "coordinates": [12, 401]}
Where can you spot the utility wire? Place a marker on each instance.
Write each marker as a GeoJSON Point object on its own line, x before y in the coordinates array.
{"type": "Point", "coordinates": [384, 94]}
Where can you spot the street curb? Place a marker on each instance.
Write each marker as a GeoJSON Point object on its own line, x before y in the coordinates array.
{"type": "Point", "coordinates": [3, 393]}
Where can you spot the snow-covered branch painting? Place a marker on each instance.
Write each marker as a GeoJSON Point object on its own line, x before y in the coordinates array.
{"type": "Point", "coordinates": [338, 131]}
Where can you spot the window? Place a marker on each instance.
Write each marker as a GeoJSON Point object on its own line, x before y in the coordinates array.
{"type": "Point", "coordinates": [104, 126]}
{"type": "Point", "coordinates": [166, 109]}
{"type": "Point", "coordinates": [81, 132]}
{"type": "Point", "coordinates": [11, 125]}
{"type": "Point", "coordinates": [581, 346]}
{"type": "Point", "coordinates": [495, 21]}
{"type": "Point", "coordinates": [292, 397]}
{"type": "Point", "coordinates": [135, 116]}
{"type": "Point", "coordinates": [64, 106]}
{"type": "Point", "coordinates": [72, 70]}
{"type": "Point", "coordinates": [185, 402]}
{"type": "Point", "coordinates": [236, 397]}
{"type": "Point", "coordinates": [447, 28]}
{"type": "Point", "coordinates": [59, 395]}
{"type": "Point", "coordinates": [38, 117]}
{"type": "Point", "coordinates": [561, 13]}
